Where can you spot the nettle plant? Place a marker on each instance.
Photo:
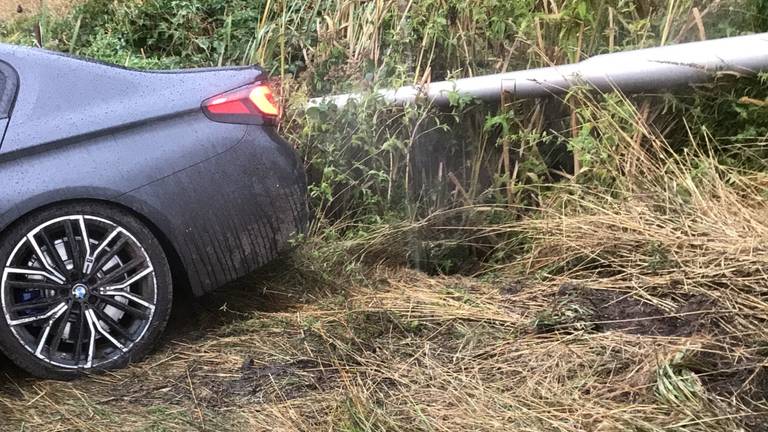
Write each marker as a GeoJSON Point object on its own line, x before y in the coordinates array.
{"type": "Point", "coordinates": [362, 160]}
{"type": "Point", "coordinates": [352, 156]}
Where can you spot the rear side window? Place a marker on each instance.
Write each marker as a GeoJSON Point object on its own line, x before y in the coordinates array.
{"type": "Point", "coordinates": [9, 83]}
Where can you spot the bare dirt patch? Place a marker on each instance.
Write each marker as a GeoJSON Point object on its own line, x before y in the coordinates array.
{"type": "Point", "coordinates": [611, 310]}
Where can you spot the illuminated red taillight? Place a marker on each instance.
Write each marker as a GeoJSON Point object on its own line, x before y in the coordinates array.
{"type": "Point", "coordinates": [251, 104]}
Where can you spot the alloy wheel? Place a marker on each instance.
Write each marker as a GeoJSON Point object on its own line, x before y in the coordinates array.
{"type": "Point", "coordinates": [78, 291]}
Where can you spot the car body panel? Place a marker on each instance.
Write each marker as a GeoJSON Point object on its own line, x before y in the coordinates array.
{"type": "Point", "coordinates": [231, 213]}
{"type": "Point", "coordinates": [63, 98]}
{"type": "Point", "coordinates": [226, 196]}
{"type": "Point", "coordinates": [110, 165]}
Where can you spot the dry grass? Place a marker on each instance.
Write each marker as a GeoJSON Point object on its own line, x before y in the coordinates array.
{"type": "Point", "coordinates": [400, 350]}
{"type": "Point", "coordinates": [640, 307]}
{"type": "Point", "coordinates": [678, 226]}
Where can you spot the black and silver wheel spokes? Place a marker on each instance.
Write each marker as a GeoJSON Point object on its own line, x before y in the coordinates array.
{"type": "Point", "coordinates": [78, 291]}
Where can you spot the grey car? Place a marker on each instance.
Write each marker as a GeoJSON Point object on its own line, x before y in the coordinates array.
{"type": "Point", "coordinates": [119, 185]}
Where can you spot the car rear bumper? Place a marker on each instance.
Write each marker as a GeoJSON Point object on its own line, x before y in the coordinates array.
{"type": "Point", "coordinates": [232, 213]}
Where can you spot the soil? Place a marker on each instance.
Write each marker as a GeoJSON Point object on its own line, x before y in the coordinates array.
{"type": "Point", "coordinates": [742, 380]}
{"type": "Point", "coordinates": [190, 377]}
{"type": "Point", "coordinates": [619, 311]}
{"type": "Point", "coordinates": [746, 381]}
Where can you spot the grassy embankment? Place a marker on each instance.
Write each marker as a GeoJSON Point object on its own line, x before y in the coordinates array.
{"type": "Point", "coordinates": [462, 275]}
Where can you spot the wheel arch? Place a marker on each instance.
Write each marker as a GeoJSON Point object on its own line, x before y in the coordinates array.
{"type": "Point", "coordinates": [179, 273]}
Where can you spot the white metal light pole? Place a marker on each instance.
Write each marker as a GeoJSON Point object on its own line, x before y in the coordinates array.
{"type": "Point", "coordinates": [629, 71]}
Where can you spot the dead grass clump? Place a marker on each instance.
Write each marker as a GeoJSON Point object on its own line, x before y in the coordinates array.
{"type": "Point", "coordinates": [674, 245]}
{"type": "Point", "coordinates": [404, 351]}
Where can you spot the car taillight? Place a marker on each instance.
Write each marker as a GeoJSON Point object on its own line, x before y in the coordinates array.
{"type": "Point", "coordinates": [251, 104]}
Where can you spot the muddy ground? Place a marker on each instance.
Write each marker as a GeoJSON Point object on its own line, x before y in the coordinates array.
{"type": "Point", "coordinates": [394, 349]}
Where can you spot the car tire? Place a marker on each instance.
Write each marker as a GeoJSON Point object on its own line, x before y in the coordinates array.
{"type": "Point", "coordinates": [84, 287]}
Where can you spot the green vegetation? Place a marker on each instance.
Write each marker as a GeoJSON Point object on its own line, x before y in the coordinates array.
{"type": "Point", "coordinates": [593, 263]}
